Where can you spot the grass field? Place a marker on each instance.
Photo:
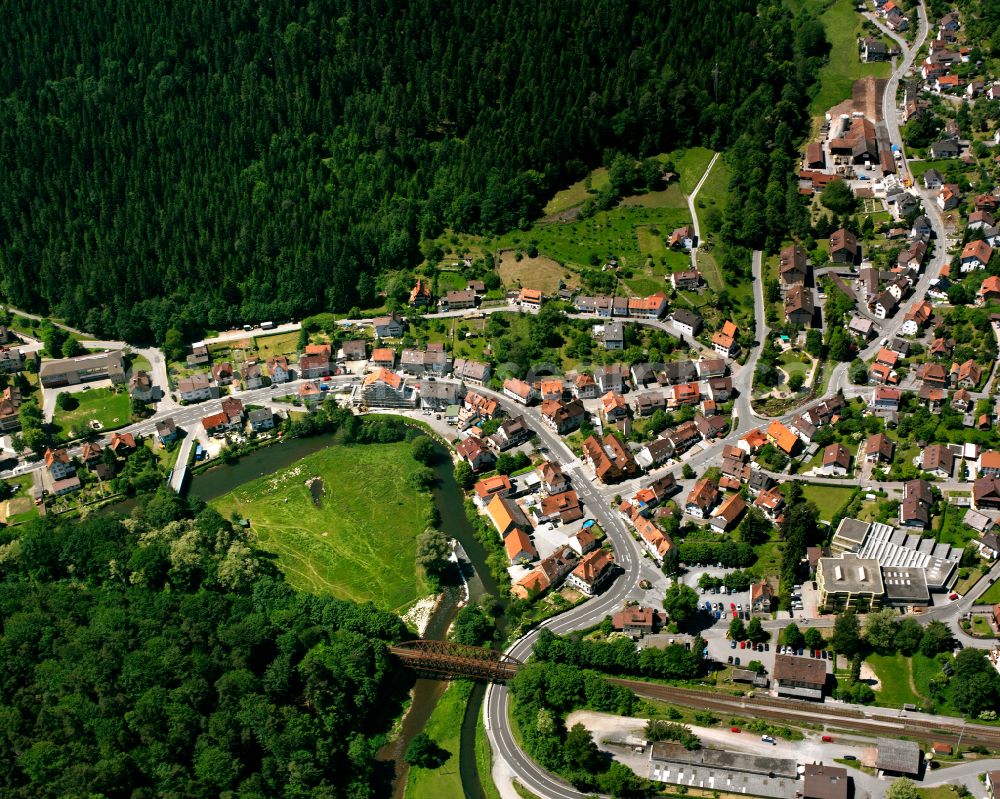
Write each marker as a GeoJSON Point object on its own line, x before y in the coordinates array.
{"type": "Point", "coordinates": [768, 559]}
{"type": "Point", "coordinates": [981, 627]}
{"type": "Point", "coordinates": [992, 595]}
{"type": "Point", "coordinates": [110, 408]}
{"type": "Point", "coordinates": [791, 363]}
{"type": "Point", "coordinates": [939, 792]}
{"type": "Point", "coordinates": [445, 728]}
{"type": "Point", "coordinates": [924, 670]}
{"type": "Point", "coordinates": [652, 240]}
{"type": "Point", "coordinates": [895, 676]}
{"type": "Point", "coordinates": [607, 234]}
{"type": "Point", "coordinates": [670, 197]}
{"type": "Point", "coordinates": [19, 507]}
{"type": "Point", "coordinates": [280, 344]}
{"type": "Point", "coordinates": [523, 792]}
{"type": "Point", "coordinates": [711, 204]}
{"type": "Point", "coordinates": [449, 281]}
{"type": "Point", "coordinates": [919, 168]}
{"type": "Point", "coordinates": [843, 26]}
{"type": "Point", "coordinates": [577, 193]}
{"type": "Point", "coordinates": [540, 272]}
{"type": "Point", "coordinates": [828, 498]}
{"type": "Point", "coordinates": [484, 762]}
{"type": "Point", "coordinates": [139, 363]}
{"type": "Point", "coordinates": [690, 165]}
{"type": "Point", "coordinates": [359, 543]}
{"type": "Point", "coordinates": [714, 192]}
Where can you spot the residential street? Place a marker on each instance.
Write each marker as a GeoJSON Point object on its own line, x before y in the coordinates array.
{"type": "Point", "coordinates": [509, 760]}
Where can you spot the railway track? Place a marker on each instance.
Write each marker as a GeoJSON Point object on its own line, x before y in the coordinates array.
{"type": "Point", "coordinates": [829, 716]}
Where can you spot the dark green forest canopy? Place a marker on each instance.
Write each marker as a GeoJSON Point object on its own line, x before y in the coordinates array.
{"type": "Point", "coordinates": [197, 164]}
{"type": "Point", "coordinates": [163, 656]}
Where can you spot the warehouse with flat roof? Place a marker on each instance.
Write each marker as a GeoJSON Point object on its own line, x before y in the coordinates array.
{"type": "Point", "coordinates": [719, 770]}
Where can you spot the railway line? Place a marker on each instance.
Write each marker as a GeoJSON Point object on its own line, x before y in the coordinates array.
{"type": "Point", "coordinates": [828, 715]}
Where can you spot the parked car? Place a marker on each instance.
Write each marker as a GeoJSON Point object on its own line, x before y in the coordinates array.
{"type": "Point", "coordinates": [730, 660]}
{"type": "Point", "coordinates": [952, 595]}
{"type": "Point", "coordinates": [827, 739]}
{"type": "Point", "coordinates": [768, 740]}
{"type": "Point", "coordinates": [732, 644]}
{"type": "Point", "coordinates": [735, 729]}
{"type": "Point", "coordinates": [743, 644]}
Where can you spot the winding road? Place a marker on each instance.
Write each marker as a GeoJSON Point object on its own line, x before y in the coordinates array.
{"type": "Point", "coordinates": [510, 760]}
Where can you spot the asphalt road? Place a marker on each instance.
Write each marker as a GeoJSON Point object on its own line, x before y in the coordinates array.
{"type": "Point", "coordinates": [509, 757]}
{"type": "Point", "coordinates": [510, 760]}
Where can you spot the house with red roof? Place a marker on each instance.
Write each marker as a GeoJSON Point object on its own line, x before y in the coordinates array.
{"type": "Point", "coordinates": [975, 255]}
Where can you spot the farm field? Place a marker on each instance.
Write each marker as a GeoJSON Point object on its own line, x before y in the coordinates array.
{"type": "Point", "coordinates": [540, 272]}
{"type": "Point", "coordinates": [110, 408]}
{"type": "Point", "coordinates": [592, 241]}
{"type": "Point", "coordinates": [358, 540]}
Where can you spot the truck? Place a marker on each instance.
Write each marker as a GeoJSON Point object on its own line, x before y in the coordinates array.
{"type": "Point", "coordinates": [267, 325]}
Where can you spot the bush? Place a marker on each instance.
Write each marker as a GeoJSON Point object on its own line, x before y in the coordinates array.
{"type": "Point", "coordinates": [657, 730]}
{"type": "Point", "coordinates": [67, 402]}
{"type": "Point", "coordinates": [424, 752]}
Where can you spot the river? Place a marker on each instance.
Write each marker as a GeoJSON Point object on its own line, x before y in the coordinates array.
{"type": "Point", "coordinates": [450, 505]}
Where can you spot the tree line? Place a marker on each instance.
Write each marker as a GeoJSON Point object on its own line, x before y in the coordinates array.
{"type": "Point", "coordinates": [201, 165]}
{"type": "Point", "coordinates": [162, 654]}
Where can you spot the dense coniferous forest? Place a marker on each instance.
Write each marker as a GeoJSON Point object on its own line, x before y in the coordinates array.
{"type": "Point", "coordinates": [163, 656]}
{"type": "Point", "coordinates": [196, 164]}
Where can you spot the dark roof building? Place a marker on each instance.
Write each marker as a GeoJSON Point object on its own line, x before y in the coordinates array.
{"type": "Point", "coordinates": [825, 782]}
{"type": "Point", "coordinates": [897, 757]}
{"type": "Point", "coordinates": [799, 677]}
